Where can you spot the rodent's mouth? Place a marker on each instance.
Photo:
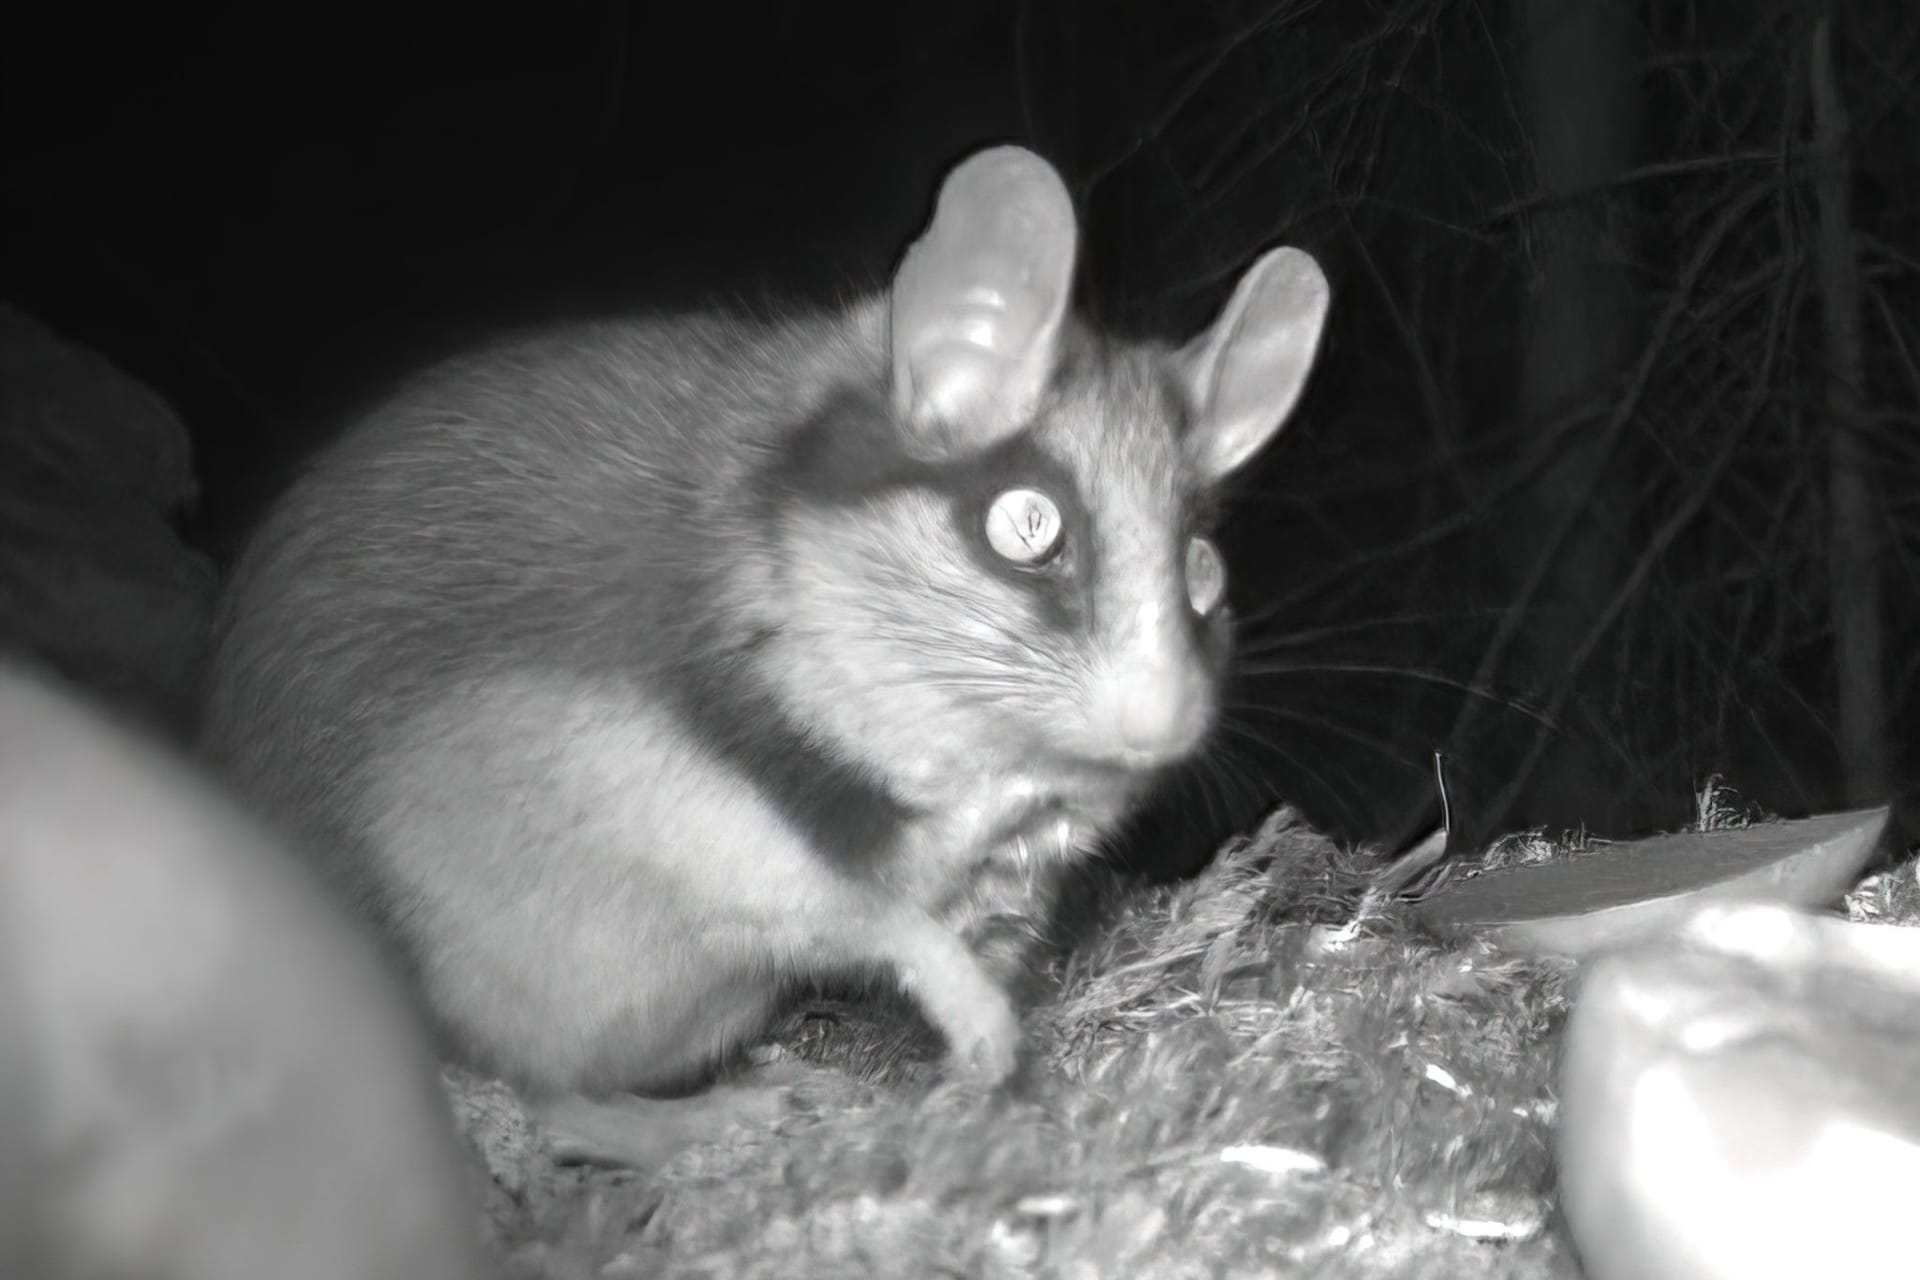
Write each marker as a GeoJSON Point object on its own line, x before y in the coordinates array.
{"type": "Point", "coordinates": [1045, 832]}
{"type": "Point", "coordinates": [1128, 774]}
{"type": "Point", "coordinates": [1083, 801]}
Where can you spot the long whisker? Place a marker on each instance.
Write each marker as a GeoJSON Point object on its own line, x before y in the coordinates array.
{"type": "Point", "coordinates": [1326, 724]}
{"type": "Point", "coordinates": [1255, 637]}
{"type": "Point", "coordinates": [1294, 762]}
{"type": "Point", "coordinates": [1472, 688]}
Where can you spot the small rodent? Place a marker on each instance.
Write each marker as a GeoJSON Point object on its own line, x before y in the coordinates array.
{"type": "Point", "coordinates": [627, 672]}
{"type": "Point", "coordinates": [205, 1074]}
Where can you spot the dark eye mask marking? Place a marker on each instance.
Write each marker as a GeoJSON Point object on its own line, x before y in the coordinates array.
{"type": "Point", "coordinates": [850, 452]}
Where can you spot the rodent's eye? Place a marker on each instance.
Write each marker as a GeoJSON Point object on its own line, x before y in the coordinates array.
{"type": "Point", "coordinates": [1024, 526]}
{"type": "Point", "coordinates": [1206, 576]}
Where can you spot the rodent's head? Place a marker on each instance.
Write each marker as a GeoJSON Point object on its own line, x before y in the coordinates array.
{"type": "Point", "coordinates": [1003, 565]}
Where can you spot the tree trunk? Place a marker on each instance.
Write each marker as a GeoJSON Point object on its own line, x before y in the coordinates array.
{"type": "Point", "coordinates": [1581, 99]}
{"type": "Point", "coordinates": [1853, 553]}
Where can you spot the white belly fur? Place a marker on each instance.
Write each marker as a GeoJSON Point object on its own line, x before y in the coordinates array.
{"type": "Point", "coordinates": [595, 901]}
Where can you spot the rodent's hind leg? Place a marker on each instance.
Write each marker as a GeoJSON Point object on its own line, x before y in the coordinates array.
{"type": "Point", "coordinates": [630, 1131]}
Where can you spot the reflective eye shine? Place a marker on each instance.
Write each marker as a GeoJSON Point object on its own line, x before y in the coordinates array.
{"type": "Point", "coordinates": [1206, 576]}
{"type": "Point", "coordinates": [1023, 525]}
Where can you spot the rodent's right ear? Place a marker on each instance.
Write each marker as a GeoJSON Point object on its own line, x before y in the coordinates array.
{"type": "Point", "coordinates": [1246, 372]}
{"type": "Point", "coordinates": [979, 301]}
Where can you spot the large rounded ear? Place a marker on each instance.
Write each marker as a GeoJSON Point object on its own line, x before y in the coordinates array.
{"type": "Point", "coordinates": [1246, 372]}
{"type": "Point", "coordinates": [979, 300]}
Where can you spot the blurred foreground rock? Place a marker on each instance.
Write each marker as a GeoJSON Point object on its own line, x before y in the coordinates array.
{"type": "Point", "coordinates": [1740, 1101]}
{"type": "Point", "coordinates": [205, 1073]}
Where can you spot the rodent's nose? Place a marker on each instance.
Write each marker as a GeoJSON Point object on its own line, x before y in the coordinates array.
{"type": "Point", "coordinates": [1152, 699]}
{"type": "Point", "coordinates": [1159, 714]}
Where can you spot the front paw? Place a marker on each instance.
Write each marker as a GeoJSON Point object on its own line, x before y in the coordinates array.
{"type": "Point", "coordinates": [985, 1047]}
{"type": "Point", "coordinates": [970, 1010]}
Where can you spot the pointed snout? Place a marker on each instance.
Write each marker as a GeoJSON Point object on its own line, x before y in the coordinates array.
{"type": "Point", "coordinates": [1155, 701]}
{"type": "Point", "coordinates": [1162, 718]}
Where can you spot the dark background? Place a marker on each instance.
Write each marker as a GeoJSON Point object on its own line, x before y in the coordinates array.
{"type": "Point", "coordinates": [1602, 486]}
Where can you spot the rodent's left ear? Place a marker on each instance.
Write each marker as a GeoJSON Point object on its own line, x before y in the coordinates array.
{"type": "Point", "coordinates": [979, 300]}
{"type": "Point", "coordinates": [1246, 372]}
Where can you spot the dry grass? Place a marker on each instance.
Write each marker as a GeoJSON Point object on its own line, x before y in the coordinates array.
{"type": "Point", "coordinates": [1233, 1077]}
